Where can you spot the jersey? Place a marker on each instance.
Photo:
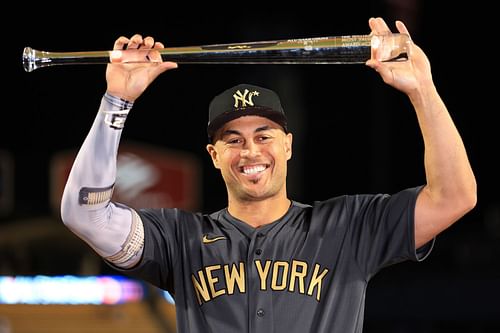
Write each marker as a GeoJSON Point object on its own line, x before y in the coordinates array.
{"type": "Point", "coordinates": [306, 272]}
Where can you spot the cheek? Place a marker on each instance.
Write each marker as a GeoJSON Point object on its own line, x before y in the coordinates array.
{"type": "Point", "coordinates": [227, 157]}
{"type": "Point", "coordinates": [279, 155]}
{"type": "Point", "coordinates": [284, 151]}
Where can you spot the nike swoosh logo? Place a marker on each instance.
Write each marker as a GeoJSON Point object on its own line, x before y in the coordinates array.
{"type": "Point", "coordinates": [207, 240]}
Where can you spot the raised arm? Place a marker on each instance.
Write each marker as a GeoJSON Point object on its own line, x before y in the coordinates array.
{"type": "Point", "coordinates": [114, 231]}
{"type": "Point", "coordinates": [450, 191]}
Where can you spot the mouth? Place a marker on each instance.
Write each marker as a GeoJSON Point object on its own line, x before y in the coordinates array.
{"type": "Point", "coordinates": [252, 170]}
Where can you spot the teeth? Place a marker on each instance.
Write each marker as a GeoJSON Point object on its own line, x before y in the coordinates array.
{"type": "Point", "coordinates": [253, 169]}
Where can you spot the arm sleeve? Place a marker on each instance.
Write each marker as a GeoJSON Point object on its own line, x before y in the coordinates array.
{"type": "Point", "coordinates": [113, 230]}
{"type": "Point", "coordinates": [384, 230]}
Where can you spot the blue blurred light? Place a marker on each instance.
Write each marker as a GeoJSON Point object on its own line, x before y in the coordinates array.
{"type": "Point", "coordinates": [68, 289]}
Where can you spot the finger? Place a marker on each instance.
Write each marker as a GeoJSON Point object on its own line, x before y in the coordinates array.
{"type": "Point", "coordinates": [382, 25]}
{"type": "Point", "coordinates": [135, 42]}
{"type": "Point", "coordinates": [155, 56]}
{"type": "Point", "coordinates": [120, 43]}
{"type": "Point", "coordinates": [158, 45]}
{"type": "Point", "coordinates": [159, 68]}
{"type": "Point", "coordinates": [379, 27]}
{"type": "Point", "coordinates": [371, 63]}
{"type": "Point", "coordinates": [372, 24]}
{"type": "Point", "coordinates": [402, 28]}
{"type": "Point", "coordinates": [374, 44]}
{"type": "Point", "coordinates": [148, 43]}
{"type": "Point", "coordinates": [384, 71]}
{"type": "Point", "coordinates": [168, 65]}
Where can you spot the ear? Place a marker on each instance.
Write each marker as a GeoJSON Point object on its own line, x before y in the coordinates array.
{"type": "Point", "coordinates": [212, 151]}
{"type": "Point", "coordinates": [288, 145]}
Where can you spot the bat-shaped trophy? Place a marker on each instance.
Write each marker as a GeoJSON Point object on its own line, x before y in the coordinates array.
{"type": "Point", "coordinates": [354, 49]}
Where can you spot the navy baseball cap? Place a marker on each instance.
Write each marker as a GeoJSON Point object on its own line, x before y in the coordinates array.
{"type": "Point", "coordinates": [244, 100]}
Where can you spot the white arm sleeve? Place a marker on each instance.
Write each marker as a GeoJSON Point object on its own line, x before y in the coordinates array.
{"type": "Point", "coordinates": [114, 231]}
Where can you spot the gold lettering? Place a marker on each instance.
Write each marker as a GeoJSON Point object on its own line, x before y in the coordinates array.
{"type": "Point", "coordinates": [276, 270]}
{"type": "Point", "coordinates": [295, 274]}
{"type": "Point", "coordinates": [263, 272]}
{"type": "Point", "coordinates": [242, 97]}
{"type": "Point", "coordinates": [212, 280]}
{"type": "Point", "coordinates": [232, 47]}
{"type": "Point", "coordinates": [235, 276]}
{"type": "Point", "coordinates": [316, 281]}
{"type": "Point", "coordinates": [200, 287]}
{"type": "Point", "coordinates": [291, 276]}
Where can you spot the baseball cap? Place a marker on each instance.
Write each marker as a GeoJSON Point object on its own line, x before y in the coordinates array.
{"type": "Point", "coordinates": [244, 100]}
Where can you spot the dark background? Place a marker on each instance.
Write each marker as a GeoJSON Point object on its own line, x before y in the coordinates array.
{"type": "Point", "coordinates": [353, 134]}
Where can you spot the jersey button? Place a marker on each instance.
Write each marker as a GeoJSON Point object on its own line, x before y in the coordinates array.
{"type": "Point", "coordinates": [260, 234]}
{"type": "Point", "coordinates": [260, 312]}
{"type": "Point", "coordinates": [258, 252]}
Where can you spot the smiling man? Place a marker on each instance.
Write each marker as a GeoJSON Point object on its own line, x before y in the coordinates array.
{"type": "Point", "coordinates": [266, 263]}
{"type": "Point", "coordinates": [251, 146]}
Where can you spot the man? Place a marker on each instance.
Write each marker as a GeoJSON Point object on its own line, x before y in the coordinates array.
{"type": "Point", "coordinates": [266, 263]}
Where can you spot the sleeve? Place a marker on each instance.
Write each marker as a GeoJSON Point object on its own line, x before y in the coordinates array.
{"type": "Point", "coordinates": [382, 230]}
{"type": "Point", "coordinates": [113, 230]}
{"type": "Point", "coordinates": [161, 248]}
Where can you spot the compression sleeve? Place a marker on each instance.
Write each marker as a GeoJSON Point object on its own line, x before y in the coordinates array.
{"type": "Point", "coordinates": [113, 230]}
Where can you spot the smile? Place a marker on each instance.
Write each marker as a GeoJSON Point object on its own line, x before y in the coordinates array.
{"type": "Point", "coordinates": [253, 169]}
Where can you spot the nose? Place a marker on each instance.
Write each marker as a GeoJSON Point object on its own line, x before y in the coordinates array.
{"type": "Point", "coordinates": [250, 149]}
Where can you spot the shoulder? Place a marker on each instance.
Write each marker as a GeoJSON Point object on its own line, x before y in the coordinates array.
{"type": "Point", "coordinates": [350, 205]}
{"type": "Point", "coordinates": [170, 216]}
{"type": "Point", "coordinates": [356, 201]}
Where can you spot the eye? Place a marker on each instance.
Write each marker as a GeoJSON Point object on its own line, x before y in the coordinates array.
{"type": "Point", "coordinates": [264, 138]}
{"type": "Point", "coordinates": [234, 141]}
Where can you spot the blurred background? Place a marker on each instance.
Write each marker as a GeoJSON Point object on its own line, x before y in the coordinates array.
{"type": "Point", "coordinates": [352, 134]}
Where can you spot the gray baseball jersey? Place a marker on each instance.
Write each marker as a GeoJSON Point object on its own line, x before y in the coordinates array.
{"type": "Point", "coordinates": [306, 272]}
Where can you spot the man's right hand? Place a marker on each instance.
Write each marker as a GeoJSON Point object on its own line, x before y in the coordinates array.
{"type": "Point", "coordinates": [128, 81]}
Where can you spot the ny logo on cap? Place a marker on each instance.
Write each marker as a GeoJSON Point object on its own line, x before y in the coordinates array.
{"type": "Point", "coordinates": [244, 98]}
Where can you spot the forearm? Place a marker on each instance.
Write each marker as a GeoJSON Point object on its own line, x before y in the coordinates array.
{"type": "Point", "coordinates": [86, 207]}
{"type": "Point", "coordinates": [447, 166]}
{"type": "Point", "coordinates": [451, 186]}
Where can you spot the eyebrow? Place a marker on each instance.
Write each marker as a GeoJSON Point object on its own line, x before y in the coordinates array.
{"type": "Point", "coordinates": [235, 132]}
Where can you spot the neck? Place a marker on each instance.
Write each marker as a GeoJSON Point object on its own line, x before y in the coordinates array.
{"type": "Point", "coordinates": [260, 212]}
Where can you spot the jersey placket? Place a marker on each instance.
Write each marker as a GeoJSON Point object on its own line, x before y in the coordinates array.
{"type": "Point", "coordinates": [260, 311]}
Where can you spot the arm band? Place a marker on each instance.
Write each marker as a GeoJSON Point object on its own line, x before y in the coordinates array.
{"type": "Point", "coordinates": [114, 231]}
